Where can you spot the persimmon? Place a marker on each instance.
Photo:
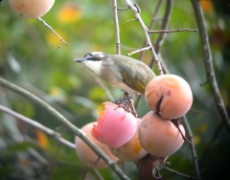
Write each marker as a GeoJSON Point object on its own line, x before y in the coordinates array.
{"type": "Point", "coordinates": [169, 95]}
{"type": "Point", "coordinates": [86, 154]}
{"type": "Point", "coordinates": [160, 137]}
{"type": "Point", "coordinates": [115, 126]}
{"type": "Point", "coordinates": [31, 8]}
{"type": "Point", "coordinates": [132, 150]}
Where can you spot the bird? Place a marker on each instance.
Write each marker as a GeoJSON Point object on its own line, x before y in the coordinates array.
{"type": "Point", "coordinates": [120, 71]}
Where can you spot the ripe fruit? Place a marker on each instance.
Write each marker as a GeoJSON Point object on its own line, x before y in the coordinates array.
{"type": "Point", "coordinates": [169, 95]}
{"type": "Point", "coordinates": [31, 8]}
{"type": "Point", "coordinates": [115, 125]}
{"type": "Point", "coordinates": [132, 150]}
{"type": "Point", "coordinates": [159, 137]}
{"type": "Point", "coordinates": [86, 154]}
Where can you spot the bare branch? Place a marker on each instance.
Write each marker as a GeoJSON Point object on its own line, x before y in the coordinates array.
{"type": "Point", "coordinates": [56, 34]}
{"type": "Point", "coordinates": [64, 121]}
{"type": "Point", "coordinates": [164, 25]}
{"type": "Point", "coordinates": [155, 14]}
{"type": "Point", "coordinates": [192, 146]}
{"type": "Point", "coordinates": [180, 174]}
{"type": "Point", "coordinates": [154, 19]}
{"type": "Point", "coordinates": [173, 30]}
{"type": "Point", "coordinates": [136, 11]}
{"type": "Point", "coordinates": [39, 126]}
{"type": "Point", "coordinates": [207, 56]}
{"type": "Point", "coordinates": [117, 29]}
{"type": "Point", "coordinates": [139, 50]}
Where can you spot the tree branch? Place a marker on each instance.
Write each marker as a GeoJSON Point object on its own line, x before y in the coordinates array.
{"type": "Point", "coordinates": [64, 121]}
{"type": "Point", "coordinates": [56, 34]}
{"type": "Point", "coordinates": [152, 23]}
{"type": "Point", "coordinates": [139, 50]}
{"type": "Point", "coordinates": [192, 146]}
{"type": "Point", "coordinates": [39, 126]}
{"type": "Point", "coordinates": [164, 25]}
{"type": "Point", "coordinates": [180, 174]}
{"type": "Point", "coordinates": [117, 29]}
{"type": "Point", "coordinates": [173, 30]}
{"type": "Point", "coordinates": [207, 57]}
{"type": "Point", "coordinates": [136, 11]}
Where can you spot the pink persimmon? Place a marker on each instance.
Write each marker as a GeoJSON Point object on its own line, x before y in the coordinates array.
{"type": "Point", "coordinates": [115, 126]}
{"type": "Point", "coordinates": [132, 150]}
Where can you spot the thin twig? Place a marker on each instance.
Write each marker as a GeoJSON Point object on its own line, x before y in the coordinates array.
{"type": "Point", "coordinates": [173, 30]}
{"type": "Point", "coordinates": [64, 121]}
{"type": "Point", "coordinates": [180, 174]}
{"type": "Point", "coordinates": [56, 34]}
{"type": "Point", "coordinates": [39, 126]}
{"type": "Point", "coordinates": [165, 22]}
{"type": "Point", "coordinates": [207, 57]}
{"type": "Point", "coordinates": [155, 14]}
{"type": "Point", "coordinates": [117, 28]}
{"type": "Point", "coordinates": [139, 50]}
{"type": "Point", "coordinates": [164, 25]}
{"type": "Point", "coordinates": [152, 23]}
{"type": "Point", "coordinates": [192, 146]}
{"type": "Point", "coordinates": [136, 11]}
{"type": "Point", "coordinates": [205, 113]}
{"type": "Point", "coordinates": [131, 20]}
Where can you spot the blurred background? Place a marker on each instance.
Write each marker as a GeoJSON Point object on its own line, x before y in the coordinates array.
{"type": "Point", "coordinates": [30, 58]}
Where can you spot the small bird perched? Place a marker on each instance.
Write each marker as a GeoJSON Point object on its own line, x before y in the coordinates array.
{"type": "Point", "coordinates": [120, 71]}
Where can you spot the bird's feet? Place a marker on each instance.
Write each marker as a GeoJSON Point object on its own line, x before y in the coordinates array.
{"type": "Point", "coordinates": [127, 103]}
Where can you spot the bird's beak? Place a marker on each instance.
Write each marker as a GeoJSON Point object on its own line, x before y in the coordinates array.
{"type": "Point", "coordinates": [79, 60]}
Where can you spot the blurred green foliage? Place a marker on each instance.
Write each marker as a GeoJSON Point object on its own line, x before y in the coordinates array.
{"type": "Point", "coordinates": [30, 57]}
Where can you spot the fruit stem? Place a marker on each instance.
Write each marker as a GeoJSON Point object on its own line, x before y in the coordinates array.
{"type": "Point", "coordinates": [176, 122]}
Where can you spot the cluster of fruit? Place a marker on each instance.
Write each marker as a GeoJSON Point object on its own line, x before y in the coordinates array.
{"type": "Point", "coordinates": [120, 134]}
{"type": "Point", "coordinates": [123, 136]}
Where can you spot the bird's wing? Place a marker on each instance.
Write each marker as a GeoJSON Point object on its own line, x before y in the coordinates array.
{"type": "Point", "coordinates": [137, 77]}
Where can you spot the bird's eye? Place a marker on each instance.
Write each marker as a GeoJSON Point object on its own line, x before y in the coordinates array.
{"type": "Point", "coordinates": [87, 56]}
